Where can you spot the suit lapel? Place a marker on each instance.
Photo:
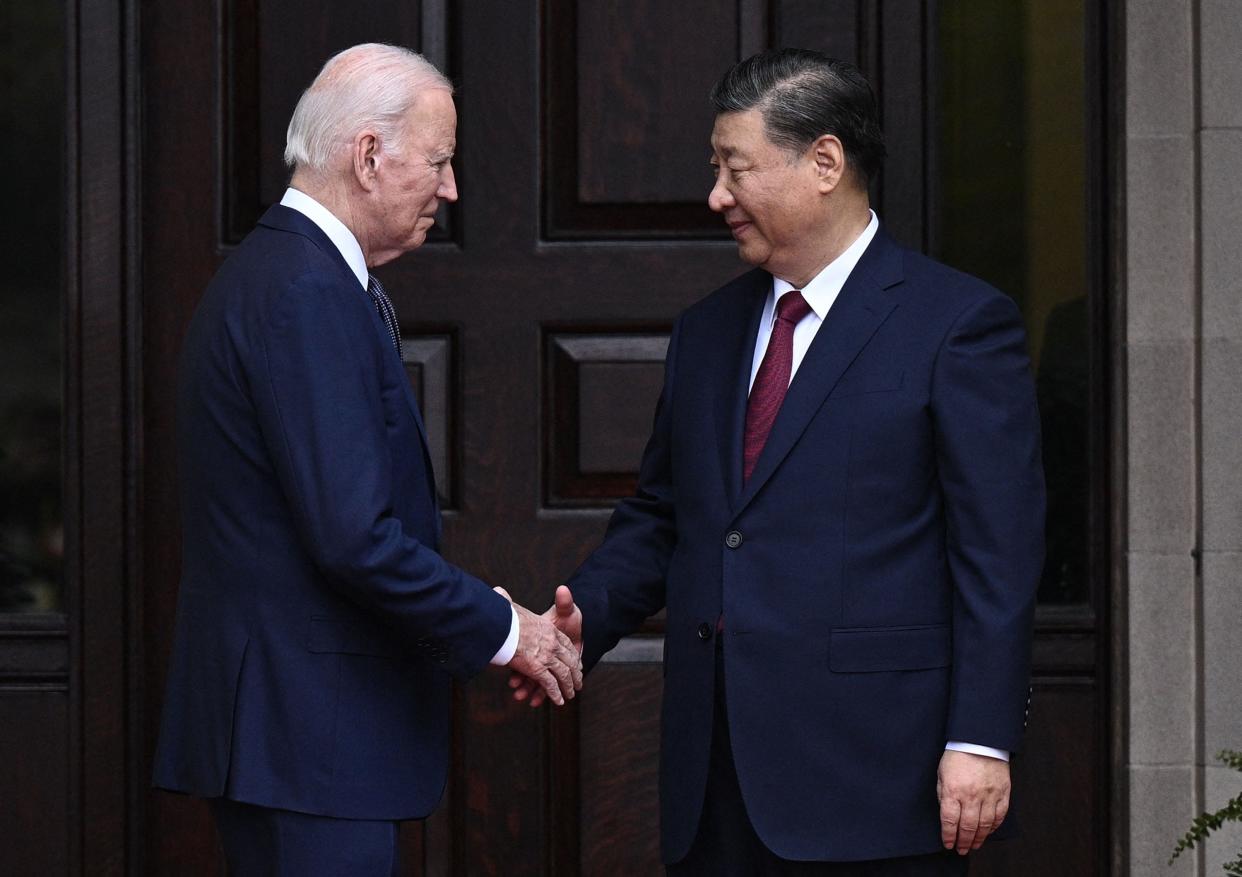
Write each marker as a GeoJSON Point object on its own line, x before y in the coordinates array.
{"type": "Point", "coordinates": [852, 320]}
{"type": "Point", "coordinates": [738, 345]}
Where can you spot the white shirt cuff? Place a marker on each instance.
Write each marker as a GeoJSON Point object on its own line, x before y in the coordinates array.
{"type": "Point", "coordinates": [507, 651]}
{"type": "Point", "coordinates": [1002, 754]}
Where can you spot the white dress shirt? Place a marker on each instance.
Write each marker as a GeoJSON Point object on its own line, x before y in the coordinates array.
{"type": "Point", "coordinates": [820, 293]}
{"type": "Point", "coordinates": [345, 241]}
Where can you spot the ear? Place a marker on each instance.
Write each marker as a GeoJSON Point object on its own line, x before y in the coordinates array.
{"type": "Point", "coordinates": [365, 152]}
{"type": "Point", "coordinates": [829, 157]}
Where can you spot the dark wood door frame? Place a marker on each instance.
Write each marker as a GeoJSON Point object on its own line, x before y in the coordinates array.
{"type": "Point", "coordinates": [103, 439]}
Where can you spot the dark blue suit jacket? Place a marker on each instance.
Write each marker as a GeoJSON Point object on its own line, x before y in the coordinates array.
{"type": "Point", "coordinates": [879, 593]}
{"type": "Point", "coordinates": [316, 623]}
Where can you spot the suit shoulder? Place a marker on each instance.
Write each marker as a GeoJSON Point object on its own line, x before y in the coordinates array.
{"type": "Point", "coordinates": [268, 263]}
{"type": "Point", "coordinates": [953, 288]}
{"type": "Point", "coordinates": [275, 253]}
{"type": "Point", "coordinates": [272, 277]}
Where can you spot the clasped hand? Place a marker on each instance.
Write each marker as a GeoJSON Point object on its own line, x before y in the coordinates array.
{"type": "Point", "coordinates": [548, 661]}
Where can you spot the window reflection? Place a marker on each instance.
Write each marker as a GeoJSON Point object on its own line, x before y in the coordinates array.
{"type": "Point", "coordinates": [32, 104]}
{"type": "Point", "coordinates": [1012, 210]}
{"type": "Point", "coordinates": [31, 533]}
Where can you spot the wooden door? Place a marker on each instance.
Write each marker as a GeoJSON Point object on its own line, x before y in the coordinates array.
{"type": "Point", "coordinates": [538, 315]}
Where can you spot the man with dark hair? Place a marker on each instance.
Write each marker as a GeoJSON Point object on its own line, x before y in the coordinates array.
{"type": "Point", "coordinates": [841, 507]}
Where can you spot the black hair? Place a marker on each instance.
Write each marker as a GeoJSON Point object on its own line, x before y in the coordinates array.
{"type": "Point", "coordinates": [803, 95]}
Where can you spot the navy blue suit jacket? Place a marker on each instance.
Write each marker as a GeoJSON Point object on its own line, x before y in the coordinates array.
{"type": "Point", "coordinates": [316, 623]}
{"type": "Point", "coordinates": [879, 590]}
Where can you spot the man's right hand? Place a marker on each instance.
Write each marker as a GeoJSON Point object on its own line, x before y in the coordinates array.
{"type": "Point", "coordinates": [567, 617]}
{"type": "Point", "coordinates": [545, 656]}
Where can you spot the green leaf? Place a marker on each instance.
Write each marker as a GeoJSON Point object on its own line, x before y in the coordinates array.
{"type": "Point", "coordinates": [1205, 823]}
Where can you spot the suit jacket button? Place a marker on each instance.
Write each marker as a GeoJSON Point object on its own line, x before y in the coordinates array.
{"type": "Point", "coordinates": [734, 539]}
{"type": "Point", "coordinates": [705, 631]}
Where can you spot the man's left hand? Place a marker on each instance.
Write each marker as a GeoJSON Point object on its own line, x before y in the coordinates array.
{"type": "Point", "coordinates": [974, 798]}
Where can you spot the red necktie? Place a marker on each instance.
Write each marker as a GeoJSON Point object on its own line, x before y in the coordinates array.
{"type": "Point", "coordinates": [772, 379]}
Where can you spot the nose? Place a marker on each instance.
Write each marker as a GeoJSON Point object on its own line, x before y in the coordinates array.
{"type": "Point", "coordinates": [448, 185]}
{"type": "Point", "coordinates": [720, 198]}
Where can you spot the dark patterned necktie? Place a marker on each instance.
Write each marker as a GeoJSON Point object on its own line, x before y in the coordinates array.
{"type": "Point", "coordinates": [772, 379]}
{"type": "Point", "coordinates": [386, 311]}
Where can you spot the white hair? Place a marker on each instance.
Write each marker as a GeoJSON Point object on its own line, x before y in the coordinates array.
{"type": "Point", "coordinates": [372, 85]}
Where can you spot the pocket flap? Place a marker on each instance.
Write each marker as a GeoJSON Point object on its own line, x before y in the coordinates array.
{"type": "Point", "coordinates": [878, 649]}
{"type": "Point", "coordinates": [342, 637]}
{"type": "Point", "coordinates": [860, 385]}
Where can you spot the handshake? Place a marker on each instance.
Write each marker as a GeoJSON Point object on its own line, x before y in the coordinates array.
{"type": "Point", "coordinates": [547, 664]}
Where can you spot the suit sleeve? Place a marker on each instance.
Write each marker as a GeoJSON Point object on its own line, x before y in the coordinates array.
{"type": "Point", "coordinates": [622, 582]}
{"type": "Point", "coordinates": [991, 478]}
{"type": "Point", "coordinates": [319, 402]}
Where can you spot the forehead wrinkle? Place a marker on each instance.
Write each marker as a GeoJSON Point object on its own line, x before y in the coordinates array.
{"type": "Point", "coordinates": [735, 141]}
{"type": "Point", "coordinates": [725, 149]}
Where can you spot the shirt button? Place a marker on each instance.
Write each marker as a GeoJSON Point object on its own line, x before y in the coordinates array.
{"type": "Point", "coordinates": [734, 539]}
{"type": "Point", "coordinates": [705, 631]}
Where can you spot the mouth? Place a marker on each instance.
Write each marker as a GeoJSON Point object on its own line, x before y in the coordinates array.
{"type": "Point", "coordinates": [739, 227]}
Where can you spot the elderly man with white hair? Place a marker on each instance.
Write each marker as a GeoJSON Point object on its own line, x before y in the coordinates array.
{"type": "Point", "coordinates": [317, 625]}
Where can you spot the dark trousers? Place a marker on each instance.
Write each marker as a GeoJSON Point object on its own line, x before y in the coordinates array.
{"type": "Point", "coordinates": [262, 842]}
{"type": "Point", "coordinates": [727, 846]}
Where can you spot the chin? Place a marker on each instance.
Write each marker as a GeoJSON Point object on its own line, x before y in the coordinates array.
{"type": "Point", "coordinates": [752, 255]}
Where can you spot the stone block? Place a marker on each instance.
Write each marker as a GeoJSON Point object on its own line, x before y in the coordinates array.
{"type": "Point", "coordinates": [1220, 34]}
{"type": "Point", "coordinates": [1160, 245]}
{"type": "Point", "coordinates": [1161, 808]}
{"type": "Point", "coordinates": [1224, 845]}
{"type": "Point", "coordinates": [1162, 659]}
{"type": "Point", "coordinates": [1222, 446]}
{"type": "Point", "coordinates": [1222, 653]}
{"type": "Point", "coordinates": [1221, 209]}
{"type": "Point", "coordinates": [1159, 68]}
{"type": "Point", "coordinates": [1161, 447]}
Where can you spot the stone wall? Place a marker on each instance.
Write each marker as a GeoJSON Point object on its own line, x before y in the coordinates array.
{"type": "Point", "coordinates": [1183, 420]}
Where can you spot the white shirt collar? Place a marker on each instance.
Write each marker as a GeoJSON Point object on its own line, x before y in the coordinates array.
{"type": "Point", "coordinates": [825, 286]}
{"type": "Point", "coordinates": [336, 231]}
